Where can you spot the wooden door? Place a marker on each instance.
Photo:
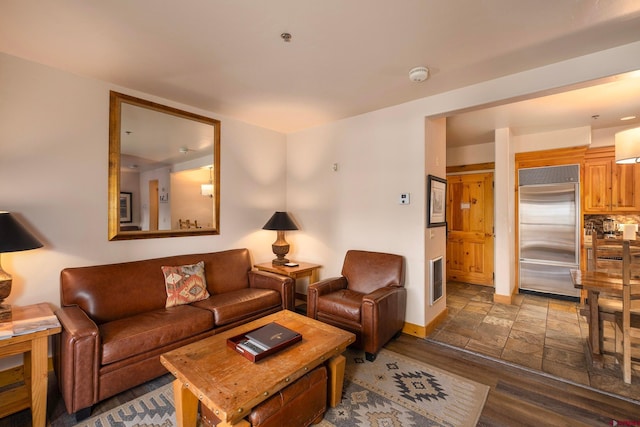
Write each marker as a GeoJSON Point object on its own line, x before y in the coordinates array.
{"type": "Point", "coordinates": [470, 239]}
{"type": "Point", "coordinates": [153, 205]}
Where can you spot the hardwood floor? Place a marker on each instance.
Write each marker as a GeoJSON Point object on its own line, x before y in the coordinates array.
{"type": "Point", "coordinates": [518, 397]}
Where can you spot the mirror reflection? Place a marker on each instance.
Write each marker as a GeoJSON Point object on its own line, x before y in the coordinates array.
{"type": "Point", "coordinates": [163, 171]}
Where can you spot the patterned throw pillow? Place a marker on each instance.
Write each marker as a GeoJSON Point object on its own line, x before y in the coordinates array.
{"type": "Point", "coordinates": [185, 284]}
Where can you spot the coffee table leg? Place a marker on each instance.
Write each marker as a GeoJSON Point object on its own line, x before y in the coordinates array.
{"type": "Point", "coordinates": [186, 405]}
{"type": "Point", "coordinates": [336, 378]}
{"type": "Point", "coordinates": [241, 423]}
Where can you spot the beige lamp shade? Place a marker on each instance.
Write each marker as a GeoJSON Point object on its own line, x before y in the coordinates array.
{"type": "Point", "coordinates": [206, 190]}
{"type": "Point", "coordinates": [628, 146]}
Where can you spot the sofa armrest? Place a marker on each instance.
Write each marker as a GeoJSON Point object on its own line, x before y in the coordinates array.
{"type": "Point", "coordinates": [78, 354]}
{"type": "Point", "coordinates": [383, 313]}
{"type": "Point", "coordinates": [323, 287]}
{"type": "Point", "coordinates": [283, 284]}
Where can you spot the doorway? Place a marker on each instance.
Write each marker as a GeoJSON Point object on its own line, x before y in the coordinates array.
{"type": "Point", "coordinates": [470, 237]}
{"type": "Point", "coordinates": [153, 205]}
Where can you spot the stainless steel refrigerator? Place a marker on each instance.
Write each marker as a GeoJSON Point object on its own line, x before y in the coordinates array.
{"type": "Point", "coordinates": [548, 228]}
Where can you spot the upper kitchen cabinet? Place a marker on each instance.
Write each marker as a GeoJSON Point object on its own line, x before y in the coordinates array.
{"type": "Point", "coordinates": [608, 186]}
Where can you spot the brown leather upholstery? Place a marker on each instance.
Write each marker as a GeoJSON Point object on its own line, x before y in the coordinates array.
{"type": "Point", "coordinates": [300, 404]}
{"type": "Point", "coordinates": [368, 299]}
{"type": "Point", "coordinates": [115, 325]}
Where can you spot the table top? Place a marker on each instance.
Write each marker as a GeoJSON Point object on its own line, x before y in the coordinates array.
{"type": "Point", "coordinates": [29, 322]}
{"type": "Point", "coordinates": [282, 269]}
{"type": "Point", "coordinates": [231, 385]}
{"type": "Point", "coordinates": [598, 281]}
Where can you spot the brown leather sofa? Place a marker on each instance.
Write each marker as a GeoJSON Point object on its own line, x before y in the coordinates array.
{"type": "Point", "coordinates": [369, 299]}
{"type": "Point", "coordinates": [300, 404]}
{"type": "Point", "coordinates": [115, 325]}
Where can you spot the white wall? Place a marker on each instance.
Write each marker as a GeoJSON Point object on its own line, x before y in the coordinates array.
{"type": "Point", "coordinates": [53, 176]}
{"type": "Point", "coordinates": [382, 154]}
{"type": "Point", "coordinates": [379, 155]}
{"type": "Point", "coordinates": [471, 154]}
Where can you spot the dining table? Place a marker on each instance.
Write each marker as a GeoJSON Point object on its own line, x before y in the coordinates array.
{"type": "Point", "coordinates": [597, 283]}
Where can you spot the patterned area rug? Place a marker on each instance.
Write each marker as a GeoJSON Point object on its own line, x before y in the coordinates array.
{"type": "Point", "coordinates": [393, 391]}
{"type": "Point", "coordinates": [397, 391]}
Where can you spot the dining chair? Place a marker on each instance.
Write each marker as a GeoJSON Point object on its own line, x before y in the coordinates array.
{"type": "Point", "coordinates": [607, 256]}
{"type": "Point", "coordinates": [628, 319]}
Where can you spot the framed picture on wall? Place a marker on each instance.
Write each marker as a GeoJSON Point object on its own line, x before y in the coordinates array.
{"type": "Point", "coordinates": [125, 207]}
{"type": "Point", "coordinates": [436, 201]}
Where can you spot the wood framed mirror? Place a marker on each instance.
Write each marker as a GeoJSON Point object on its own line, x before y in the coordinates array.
{"type": "Point", "coordinates": [164, 171]}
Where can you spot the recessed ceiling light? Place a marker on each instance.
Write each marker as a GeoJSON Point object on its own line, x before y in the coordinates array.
{"type": "Point", "coordinates": [627, 118]}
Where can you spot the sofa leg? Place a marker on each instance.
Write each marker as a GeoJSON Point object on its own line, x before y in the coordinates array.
{"type": "Point", "coordinates": [370, 356]}
{"type": "Point", "coordinates": [83, 414]}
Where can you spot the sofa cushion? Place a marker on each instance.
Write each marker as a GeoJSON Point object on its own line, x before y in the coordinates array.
{"type": "Point", "coordinates": [234, 306]}
{"type": "Point", "coordinates": [185, 284]}
{"type": "Point", "coordinates": [149, 331]}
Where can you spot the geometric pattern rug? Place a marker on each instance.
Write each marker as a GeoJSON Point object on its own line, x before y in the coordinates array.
{"type": "Point", "coordinates": [392, 391]}
{"type": "Point", "coordinates": [398, 391]}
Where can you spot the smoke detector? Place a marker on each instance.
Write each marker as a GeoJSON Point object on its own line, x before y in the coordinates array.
{"type": "Point", "coordinates": [419, 74]}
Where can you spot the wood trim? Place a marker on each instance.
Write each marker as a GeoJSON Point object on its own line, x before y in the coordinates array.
{"type": "Point", "coordinates": [415, 330]}
{"type": "Point", "coordinates": [424, 331]}
{"type": "Point", "coordinates": [471, 168]}
{"type": "Point", "coordinates": [559, 156]}
{"type": "Point", "coordinates": [503, 299]}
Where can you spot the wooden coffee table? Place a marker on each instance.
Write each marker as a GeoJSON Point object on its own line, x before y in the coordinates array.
{"type": "Point", "coordinates": [230, 385]}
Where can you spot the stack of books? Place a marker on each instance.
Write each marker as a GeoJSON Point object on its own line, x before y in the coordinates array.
{"type": "Point", "coordinates": [266, 340]}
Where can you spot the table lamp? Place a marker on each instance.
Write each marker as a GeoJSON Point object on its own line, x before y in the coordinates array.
{"type": "Point", "coordinates": [13, 238]}
{"type": "Point", "coordinates": [280, 221]}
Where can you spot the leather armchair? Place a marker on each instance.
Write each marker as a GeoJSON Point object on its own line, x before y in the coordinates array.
{"type": "Point", "coordinates": [369, 299]}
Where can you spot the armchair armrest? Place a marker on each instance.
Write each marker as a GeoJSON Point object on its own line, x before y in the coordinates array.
{"type": "Point", "coordinates": [383, 313]}
{"type": "Point", "coordinates": [277, 282]}
{"type": "Point", "coordinates": [320, 288]}
{"type": "Point", "coordinates": [377, 296]}
{"type": "Point", "coordinates": [78, 356]}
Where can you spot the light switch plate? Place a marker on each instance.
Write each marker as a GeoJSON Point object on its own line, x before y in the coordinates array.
{"type": "Point", "coordinates": [405, 199]}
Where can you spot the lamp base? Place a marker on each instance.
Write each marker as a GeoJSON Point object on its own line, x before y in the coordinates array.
{"type": "Point", "coordinates": [5, 313]}
{"type": "Point", "coordinates": [279, 261]}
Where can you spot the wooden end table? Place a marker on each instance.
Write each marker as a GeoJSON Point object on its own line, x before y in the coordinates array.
{"type": "Point", "coordinates": [231, 386]}
{"type": "Point", "coordinates": [304, 269]}
{"type": "Point", "coordinates": [34, 346]}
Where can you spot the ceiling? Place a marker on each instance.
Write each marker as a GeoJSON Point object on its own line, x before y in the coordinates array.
{"type": "Point", "coordinates": [601, 105]}
{"type": "Point", "coordinates": [345, 57]}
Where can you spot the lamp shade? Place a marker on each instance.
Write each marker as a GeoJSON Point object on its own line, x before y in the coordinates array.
{"type": "Point", "coordinates": [206, 190]}
{"type": "Point", "coordinates": [13, 236]}
{"type": "Point", "coordinates": [280, 221]}
{"type": "Point", "coordinates": [628, 146]}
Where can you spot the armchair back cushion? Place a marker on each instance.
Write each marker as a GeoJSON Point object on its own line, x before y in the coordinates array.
{"type": "Point", "coordinates": [367, 271]}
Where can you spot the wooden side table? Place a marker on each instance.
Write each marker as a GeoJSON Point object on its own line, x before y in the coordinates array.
{"type": "Point", "coordinates": [304, 269]}
{"type": "Point", "coordinates": [34, 346]}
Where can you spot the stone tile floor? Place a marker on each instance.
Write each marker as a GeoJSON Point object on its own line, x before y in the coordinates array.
{"type": "Point", "coordinates": [539, 333]}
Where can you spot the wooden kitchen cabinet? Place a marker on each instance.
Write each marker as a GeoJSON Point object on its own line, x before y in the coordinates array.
{"type": "Point", "coordinates": [608, 186]}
